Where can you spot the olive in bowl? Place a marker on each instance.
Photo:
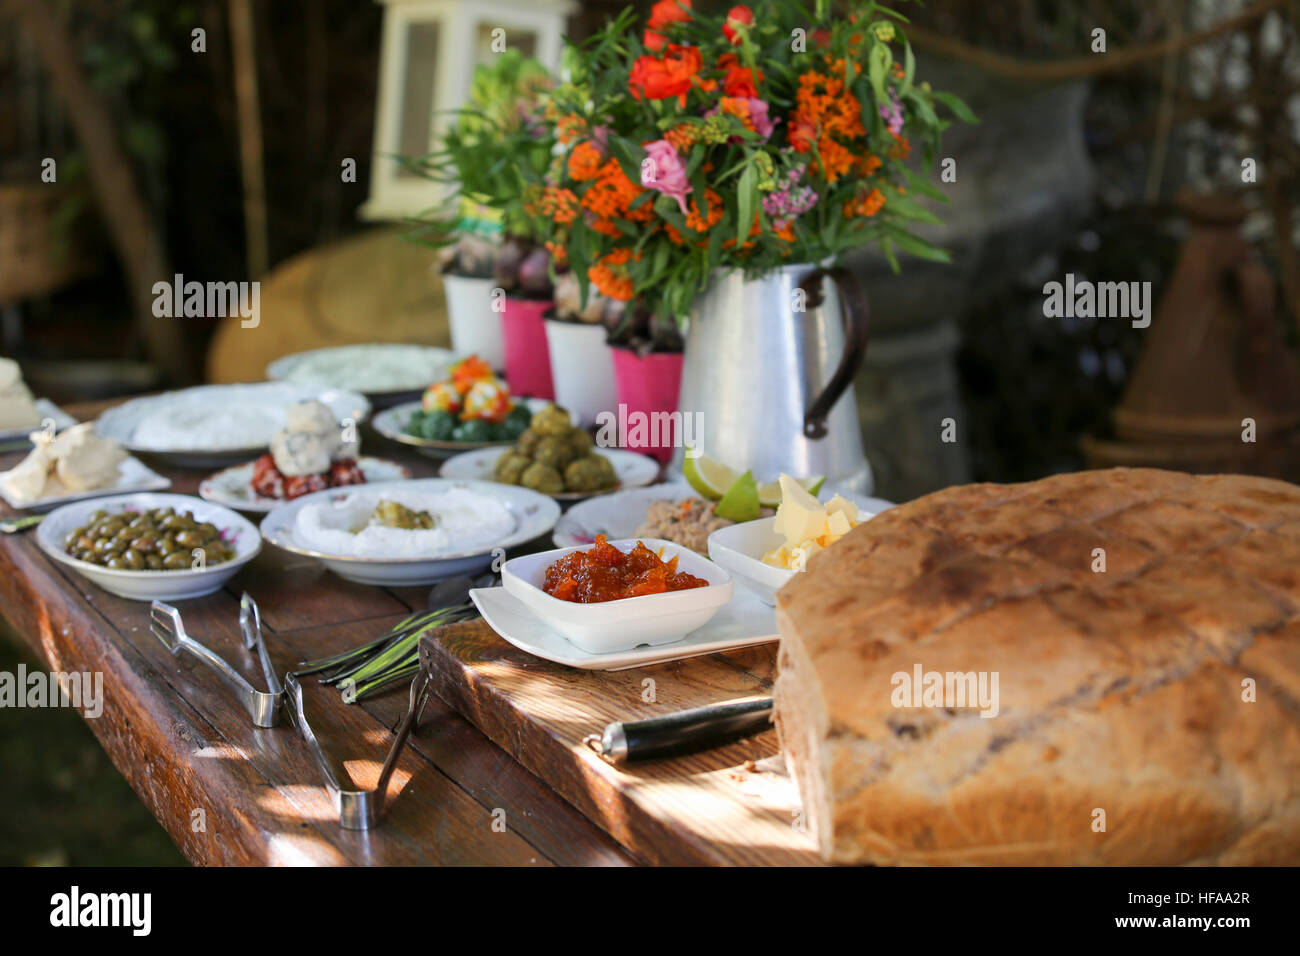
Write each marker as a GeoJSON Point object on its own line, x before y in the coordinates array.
{"type": "Point", "coordinates": [148, 545]}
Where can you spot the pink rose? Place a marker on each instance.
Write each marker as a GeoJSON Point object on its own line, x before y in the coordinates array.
{"type": "Point", "coordinates": [763, 124]}
{"type": "Point", "coordinates": [664, 171]}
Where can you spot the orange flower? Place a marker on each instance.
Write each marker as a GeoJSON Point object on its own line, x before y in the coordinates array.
{"type": "Point", "coordinates": [585, 161]}
{"type": "Point", "coordinates": [703, 223]}
{"type": "Point", "coordinates": [662, 79]}
{"type": "Point", "coordinates": [558, 252]}
{"type": "Point", "coordinates": [607, 227]}
{"type": "Point", "coordinates": [901, 148]}
{"type": "Point", "coordinates": [683, 137]}
{"type": "Point", "coordinates": [612, 193]}
{"type": "Point", "coordinates": [661, 14]}
{"type": "Point", "coordinates": [739, 80]}
{"type": "Point", "coordinates": [865, 205]}
{"type": "Point", "coordinates": [610, 277]}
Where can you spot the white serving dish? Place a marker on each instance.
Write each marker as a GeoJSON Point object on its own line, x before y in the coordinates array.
{"type": "Point", "coordinates": [629, 622]}
{"type": "Point", "coordinates": [740, 548]}
{"type": "Point", "coordinates": [385, 372]}
{"type": "Point", "coordinates": [47, 410]}
{"type": "Point", "coordinates": [259, 408]}
{"type": "Point", "coordinates": [632, 469]}
{"type": "Point", "coordinates": [534, 515]}
{"type": "Point", "coordinates": [391, 423]}
{"type": "Point", "coordinates": [151, 585]}
{"type": "Point", "coordinates": [618, 515]}
{"type": "Point", "coordinates": [233, 487]}
{"type": "Point", "coordinates": [743, 622]}
{"type": "Point", "coordinates": [132, 475]}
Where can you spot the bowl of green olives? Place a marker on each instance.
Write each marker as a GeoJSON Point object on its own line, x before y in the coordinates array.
{"type": "Point", "coordinates": [150, 546]}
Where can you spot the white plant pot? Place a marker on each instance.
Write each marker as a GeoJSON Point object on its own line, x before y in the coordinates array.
{"type": "Point", "coordinates": [475, 327]}
{"type": "Point", "coordinates": [582, 369]}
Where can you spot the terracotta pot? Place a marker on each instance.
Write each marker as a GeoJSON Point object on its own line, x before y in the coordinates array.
{"type": "Point", "coordinates": [528, 359]}
{"type": "Point", "coordinates": [475, 326]}
{"type": "Point", "coordinates": [647, 384]}
{"type": "Point", "coordinates": [582, 369]}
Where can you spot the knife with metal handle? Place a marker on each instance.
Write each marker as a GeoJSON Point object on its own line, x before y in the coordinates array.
{"type": "Point", "coordinates": [684, 732]}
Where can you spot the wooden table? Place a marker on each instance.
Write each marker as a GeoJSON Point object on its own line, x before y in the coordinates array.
{"type": "Point", "coordinates": [233, 794]}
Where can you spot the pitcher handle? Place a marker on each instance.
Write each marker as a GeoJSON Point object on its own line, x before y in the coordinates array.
{"type": "Point", "coordinates": [856, 316]}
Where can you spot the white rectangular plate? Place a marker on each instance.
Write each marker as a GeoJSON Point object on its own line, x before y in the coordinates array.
{"type": "Point", "coordinates": [743, 622]}
{"type": "Point", "coordinates": [47, 409]}
{"type": "Point", "coordinates": [132, 475]}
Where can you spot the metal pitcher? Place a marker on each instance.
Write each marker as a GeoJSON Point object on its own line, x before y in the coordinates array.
{"type": "Point", "coordinates": [773, 383]}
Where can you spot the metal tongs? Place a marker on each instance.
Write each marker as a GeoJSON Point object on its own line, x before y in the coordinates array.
{"type": "Point", "coordinates": [357, 809]}
{"type": "Point", "coordinates": [263, 707]}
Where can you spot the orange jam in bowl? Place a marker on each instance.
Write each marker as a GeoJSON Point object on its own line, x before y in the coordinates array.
{"type": "Point", "coordinates": [604, 573]}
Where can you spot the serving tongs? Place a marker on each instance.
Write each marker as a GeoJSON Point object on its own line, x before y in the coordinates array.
{"type": "Point", "coordinates": [263, 707]}
{"type": "Point", "coordinates": [357, 809]}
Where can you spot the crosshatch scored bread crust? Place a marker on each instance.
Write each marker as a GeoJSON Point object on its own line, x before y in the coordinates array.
{"type": "Point", "coordinates": [1120, 691]}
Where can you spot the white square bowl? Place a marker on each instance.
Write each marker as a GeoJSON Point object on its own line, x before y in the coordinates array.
{"type": "Point", "coordinates": [629, 622]}
{"type": "Point", "coordinates": [739, 548]}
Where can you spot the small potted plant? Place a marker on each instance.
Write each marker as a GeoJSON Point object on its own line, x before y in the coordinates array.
{"type": "Point", "coordinates": [582, 367]}
{"type": "Point", "coordinates": [498, 143]}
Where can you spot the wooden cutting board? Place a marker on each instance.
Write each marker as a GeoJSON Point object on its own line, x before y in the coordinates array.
{"type": "Point", "coordinates": [733, 805]}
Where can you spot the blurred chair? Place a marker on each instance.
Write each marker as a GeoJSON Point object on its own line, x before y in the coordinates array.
{"type": "Point", "coordinates": [373, 287]}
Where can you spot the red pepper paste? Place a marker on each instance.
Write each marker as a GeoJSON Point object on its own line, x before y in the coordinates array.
{"type": "Point", "coordinates": [604, 573]}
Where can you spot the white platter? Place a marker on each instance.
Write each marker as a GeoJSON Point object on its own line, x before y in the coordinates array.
{"type": "Point", "coordinates": [619, 514]}
{"type": "Point", "coordinates": [171, 426]}
{"type": "Point", "coordinates": [47, 410]}
{"type": "Point", "coordinates": [391, 423]}
{"type": "Point", "coordinates": [132, 475]}
{"type": "Point", "coordinates": [534, 515]}
{"type": "Point", "coordinates": [743, 622]}
{"type": "Point", "coordinates": [151, 585]}
{"type": "Point", "coordinates": [608, 626]}
{"type": "Point", "coordinates": [383, 372]}
{"type": "Point", "coordinates": [633, 470]}
{"type": "Point", "coordinates": [233, 487]}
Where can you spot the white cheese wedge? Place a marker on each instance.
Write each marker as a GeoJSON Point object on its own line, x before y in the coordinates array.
{"type": "Point", "coordinates": [27, 480]}
{"type": "Point", "coordinates": [301, 453]}
{"type": "Point", "coordinates": [84, 461]}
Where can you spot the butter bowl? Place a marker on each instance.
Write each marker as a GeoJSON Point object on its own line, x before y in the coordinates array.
{"type": "Point", "coordinates": [608, 626]}
{"type": "Point", "coordinates": [739, 548]}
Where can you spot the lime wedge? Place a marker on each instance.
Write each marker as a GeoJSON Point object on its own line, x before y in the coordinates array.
{"type": "Point", "coordinates": [710, 478]}
{"type": "Point", "coordinates": [740, 503]}
{"type": "Point", "coordinates": [769, 492]}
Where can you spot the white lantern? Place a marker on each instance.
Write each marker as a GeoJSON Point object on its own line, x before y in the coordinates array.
{"type": "Point", "coordinates": [430, 50]}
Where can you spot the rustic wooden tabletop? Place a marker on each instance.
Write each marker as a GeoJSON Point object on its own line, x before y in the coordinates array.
{"type": "Point", "coordinates": [229, 793]}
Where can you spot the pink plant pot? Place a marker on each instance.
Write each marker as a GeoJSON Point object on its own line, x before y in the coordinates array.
{"type": "Point", "coordinates": [528, 359]}
{"type": "Point", "coordinates": [648, 384]}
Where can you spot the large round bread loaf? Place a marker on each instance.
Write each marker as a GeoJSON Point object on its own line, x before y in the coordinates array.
{"type": "Point", "coordinates": [1147, 713]}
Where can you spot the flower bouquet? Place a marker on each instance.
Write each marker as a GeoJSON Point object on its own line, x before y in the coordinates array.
{"type": "Point", "coordinates": [770, 135]}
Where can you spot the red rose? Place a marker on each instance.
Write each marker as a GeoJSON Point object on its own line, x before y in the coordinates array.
{"type": "Point", "coordinates": [661, 14]}
{"type": "Point", "coordinates": [738, 16]}
{"type": "Point", "coordinates": [739, 80]}
{"type": "Point", "coordinates": [662, 79]}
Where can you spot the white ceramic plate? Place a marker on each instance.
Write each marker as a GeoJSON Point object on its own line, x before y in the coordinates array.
{"type": "Point", "coordinates": [740, 548]}
{"type": "Point", "coordinates": [132, 475]}
{"type": "Point", "coordinates": [618, 515]}
{"type": "Point", "coordinates": [46, 409]}
{"type": "Point", "coordinates": [234, 486]}
{"type": "Point", "coordinates": [391, 423]}
{"type": "Point", "coordinates": [742, 622]}
{"type": "Point", "coordinates": [628, 622]}
{"type": "Point", "coordinates": [214, 425]}
{"type": "Point", "coordinates": [534, 515]}
{"type": "Point", "coordinates": [633, 470]}
{"type": "Point", "coordinates": [151, 585]}
{"type": "Point", "coordinates": [384, 372]}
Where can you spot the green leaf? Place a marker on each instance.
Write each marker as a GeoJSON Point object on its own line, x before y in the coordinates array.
{"type": "Point", "coordinates": [747, 198]}
{"type": "Point", "coordinates": [918, 246]}
{"type": "Point", "coordinates": [958, 107]}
